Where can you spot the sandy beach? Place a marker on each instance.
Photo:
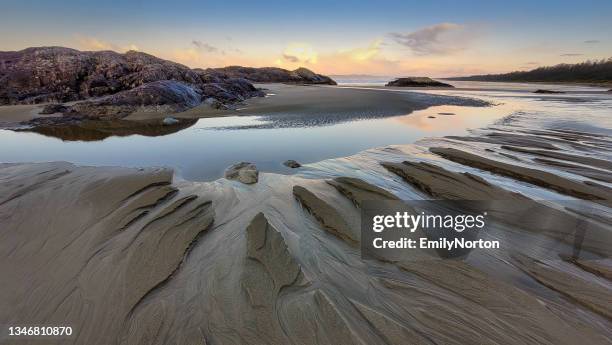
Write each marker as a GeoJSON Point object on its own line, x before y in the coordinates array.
{"type": "Point", "coordinates": [11, 115]}
{"type": "Point", "coordinates": [305, 173]}
{"type": "Point", "coordinates": [293, 100]}
{"type": "Point", "coordinates": [280, 258]}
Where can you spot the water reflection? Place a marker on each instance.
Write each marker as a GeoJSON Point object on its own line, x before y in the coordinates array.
{"type": "Point", "coordinates": [100, 130]}
{"type": "Point", "coordinates": [202, 149]}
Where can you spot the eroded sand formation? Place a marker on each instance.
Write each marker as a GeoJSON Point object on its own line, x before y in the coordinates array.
{"type": "Point", "coordinates": [129, 256]}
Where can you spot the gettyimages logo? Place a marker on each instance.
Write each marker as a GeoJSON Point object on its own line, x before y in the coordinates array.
{"type": "Point", "coordinates": [441, 229]}
{"type": "Point", "coordinates": [411, 222]}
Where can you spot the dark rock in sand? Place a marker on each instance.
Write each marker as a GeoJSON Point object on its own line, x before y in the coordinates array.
{"type": "Point", "coordinates": [244, 172]}
{"type": "Point", "coordinates": [431, 117]}
{"type": "Point", "coordinates": [417, 82]}
{"type": "Point", "coordinates": [547, 91]}
{"type": "Point", "coordinates": [448, 114]}
{"type": "Point", "coordinates": [53, 109]}
{"type": "Point", "coordinates": [271, 75]}
{"type": "Point", "coordinates": [292, 164]}
{"type": "Point", "coordinates": [169, 121]}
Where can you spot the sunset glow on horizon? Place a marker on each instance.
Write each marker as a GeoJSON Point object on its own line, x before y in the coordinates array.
{"type": "Point", "coordinates": [438, 39]}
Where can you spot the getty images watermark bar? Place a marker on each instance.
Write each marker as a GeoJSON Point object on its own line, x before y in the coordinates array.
{"type": "Point", "coordinates": [414, 230]}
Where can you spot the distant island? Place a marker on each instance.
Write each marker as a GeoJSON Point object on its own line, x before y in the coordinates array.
{"type": "Point", "coordinates": [588, 72]}
{"type": "Point", "coordinates": [417, 82]}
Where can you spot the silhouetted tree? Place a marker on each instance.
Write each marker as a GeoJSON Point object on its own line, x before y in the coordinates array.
{"type": "Point", "coordinates": [588, 72]}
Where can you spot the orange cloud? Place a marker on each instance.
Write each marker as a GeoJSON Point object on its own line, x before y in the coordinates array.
{"type": "Point", "coordinates": [93, 43]}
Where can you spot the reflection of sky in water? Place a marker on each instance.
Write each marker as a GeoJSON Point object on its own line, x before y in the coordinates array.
{"type": "Point", "coordinates": [202, 152]}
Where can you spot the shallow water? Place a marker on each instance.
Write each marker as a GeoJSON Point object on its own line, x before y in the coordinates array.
{"type": "Point", "coordinates": [202, 151]}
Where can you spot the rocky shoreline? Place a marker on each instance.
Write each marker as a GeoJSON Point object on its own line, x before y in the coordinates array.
{"type": "Point", "coordinates": [104, 85]}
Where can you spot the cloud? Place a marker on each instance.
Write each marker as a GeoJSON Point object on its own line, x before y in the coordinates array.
{"type": "Point", "coordinates": [439, 39]}
{"type": "Point", "coordinates": [592, 41]}
{"type": "Point", "coordinates": [364, 54]}
{"type": "Point", "coordinates": [299, 53]}
{"type": "Point", "coordinates": [93, 43]}
{"type": "Point", "coordinates": [368, 58]}
{"type": "Point", "coordinates": [204, 46]}
{"type": "Point", "coordinates": [571, 54]}
{"type": "Point", "coordinates": [291, 58]}
{"type": "Point", "coordinates": [531, 63]}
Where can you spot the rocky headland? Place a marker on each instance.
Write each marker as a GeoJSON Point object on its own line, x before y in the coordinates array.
{"type": "Point", "coordinates": [272, 75]}
{"type": "Point", "coordinates": [109, 85]}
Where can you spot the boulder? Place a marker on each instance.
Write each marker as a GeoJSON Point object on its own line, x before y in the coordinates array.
{"type": "Point", "coordinates": [244, 172]}
{"type": "Point", "coordinates": [53, 109]}
{"type": "Point", "coordinates": [292, 164]}
{"type": "Point", "coordinates": [164, 95]}
{"type": "Point", "coordinates": [168, 121]}
{"type": "Point", "coordinates": [417, 82]}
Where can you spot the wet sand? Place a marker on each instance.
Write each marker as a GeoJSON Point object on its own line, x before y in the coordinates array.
{"type": "Point", "coordinates": [11, 115]}
{"type": "Point", "coordinates": [129, 256]}
{"type": "Point", "coordinates": [132, 256]}
{"type": "Point", "coordinates": [289, 103]}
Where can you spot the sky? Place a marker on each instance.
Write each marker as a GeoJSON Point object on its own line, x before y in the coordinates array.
{"type": "Point", "coordinates": [386, 38]}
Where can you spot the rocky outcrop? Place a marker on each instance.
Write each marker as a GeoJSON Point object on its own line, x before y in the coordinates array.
{"type": "Point", "coordinates": [165, 95]}
{"type": "Point", "coordinates": [116, 83]}
{"type": "Point", "coordinates": [53, 109]}
{"type": "Point", "coordinates": [244, 172]}
{"type": "Point", "coordinates": [272, 75]}
{"type": "Point", "coordinates": [169, 121]}
{"type": "Point", "coordinates": [291, 164]}
{"type": "Point", "coordinates": [417, 82]}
